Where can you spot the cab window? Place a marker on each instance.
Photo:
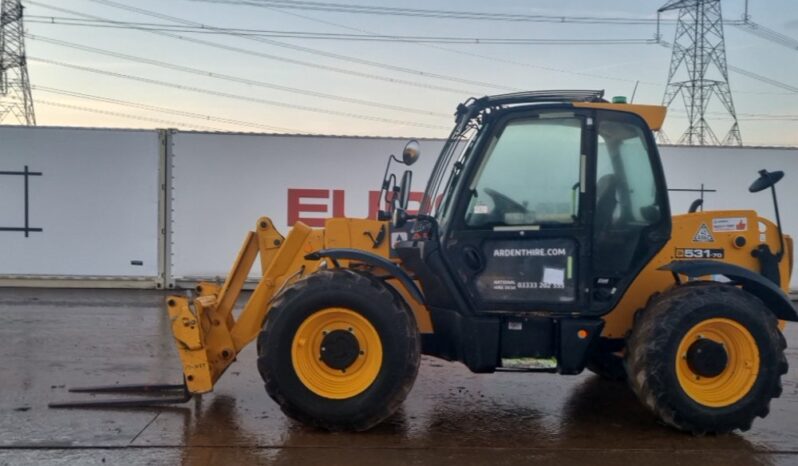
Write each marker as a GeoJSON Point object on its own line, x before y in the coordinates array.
{"type": "Point", "coordinates": [530, 174]}
{"type": "Point", "coordinates": [626, 200]}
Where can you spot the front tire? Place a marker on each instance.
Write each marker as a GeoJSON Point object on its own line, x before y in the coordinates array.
{"type": "Point", "coordinates": [339, 350]}
{"type": "Point", "coordinates": [707, 359]}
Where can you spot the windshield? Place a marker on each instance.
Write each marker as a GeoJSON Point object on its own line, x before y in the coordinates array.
{"type": "Point", "coordinates": [446, 171]}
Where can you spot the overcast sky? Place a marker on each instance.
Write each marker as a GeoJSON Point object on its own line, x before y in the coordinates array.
{"type": "Point", "coordinates": [398, 102]}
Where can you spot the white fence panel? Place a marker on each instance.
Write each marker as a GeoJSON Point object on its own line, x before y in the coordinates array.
{"type": "Point", "coordinates": [96, 202]}
{"type": "Point", "coordinates": [97, 198]}
{"type": "Point", "coordinates": [222, 183]}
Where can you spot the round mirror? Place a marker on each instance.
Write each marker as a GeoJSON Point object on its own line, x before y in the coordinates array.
{"type": "Point", "coordinates": [766, 179]}
{"type": "Point", "coordinates": [411, 152]}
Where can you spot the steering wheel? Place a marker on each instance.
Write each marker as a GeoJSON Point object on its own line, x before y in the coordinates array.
{"type": "Point", "coordinates": [504, 203]}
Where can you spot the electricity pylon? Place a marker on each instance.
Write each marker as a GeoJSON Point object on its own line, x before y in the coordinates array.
{"type": "Point", "coordinates": [698, 70]}
{"type": "Point", "coordinates": [16, 103]}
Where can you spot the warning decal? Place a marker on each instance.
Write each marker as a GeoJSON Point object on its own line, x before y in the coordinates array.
{"type": "Point", "coordinates": [703, 235]}
{"type": "Point", "coordinates": [397, 237]}
{"type": "Point", "coordinates": [730, 224]}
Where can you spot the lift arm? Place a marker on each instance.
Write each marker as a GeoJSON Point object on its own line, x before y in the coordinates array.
{"type": "Point", "coordinates": [207, 335]}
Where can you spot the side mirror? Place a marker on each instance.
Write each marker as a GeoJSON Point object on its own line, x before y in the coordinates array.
{"type": "Point", "coordinates": [404, 189]}
{"type": "Point", "coordinates": [766, 179]}
{"type": "Point", "coordinates": [411, 152]}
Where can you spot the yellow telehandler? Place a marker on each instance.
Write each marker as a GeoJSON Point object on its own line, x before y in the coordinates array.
{"type": "Point", "coordinates": [544, 243]}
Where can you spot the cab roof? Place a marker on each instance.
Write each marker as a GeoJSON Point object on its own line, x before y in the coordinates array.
{"type": "Point", "coordinates": [654, 115]}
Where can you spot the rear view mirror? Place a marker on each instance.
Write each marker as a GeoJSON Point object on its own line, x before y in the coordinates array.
{"type": "Point", "coordinates": [411, 152]}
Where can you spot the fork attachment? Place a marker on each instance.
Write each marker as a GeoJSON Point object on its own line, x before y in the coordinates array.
{"type": "Point", "coordinates": [161, 394]}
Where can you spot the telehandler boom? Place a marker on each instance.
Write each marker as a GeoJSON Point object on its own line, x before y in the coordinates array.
{"type": "Point", "coordinates": [544, 242]}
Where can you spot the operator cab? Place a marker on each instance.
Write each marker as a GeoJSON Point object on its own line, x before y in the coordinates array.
{"type": "Point", "coordinates": [541, 204]}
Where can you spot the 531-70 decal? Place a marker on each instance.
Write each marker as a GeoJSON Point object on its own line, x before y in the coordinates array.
{"type": "Point", "coordinates": [699, 253]}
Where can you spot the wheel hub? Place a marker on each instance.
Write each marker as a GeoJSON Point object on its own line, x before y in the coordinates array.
{"type": "Point", "coordinates": [707, 358]}
{"type": "Point", "coordinates": [339, 349]}
{"type": "Point", "coordinates": [717, 362]}
{"type": "Point", "coordinates": [336, 353]}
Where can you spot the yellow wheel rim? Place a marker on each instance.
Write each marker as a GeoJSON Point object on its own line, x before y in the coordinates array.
{"type": "Point", "coordinates": [740, 373]}
{"type": "Point", "coordinates": [320, 378]}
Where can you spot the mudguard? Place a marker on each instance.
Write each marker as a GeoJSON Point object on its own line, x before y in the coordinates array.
{"type": "Point", "coordinates": [773, 296]}
{"type": "Point", "coordinates": [371, 259]}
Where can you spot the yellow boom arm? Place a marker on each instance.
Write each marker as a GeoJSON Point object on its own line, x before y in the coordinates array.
{"type": "Point", "coordinates": [207, 335]}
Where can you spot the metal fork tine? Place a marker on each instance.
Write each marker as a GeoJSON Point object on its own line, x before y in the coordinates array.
{"type": "Point", "coordinates": [123, 403]}
{"type": "Point", "coordinates": [142, 388]}
{"type": "Point", "coordinates": [163, 394]}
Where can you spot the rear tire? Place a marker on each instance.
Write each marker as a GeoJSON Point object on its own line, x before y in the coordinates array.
{"type": "Point", "coordinates": [670, 369]}
{"type": "Point", "coordinates": [339, 350]}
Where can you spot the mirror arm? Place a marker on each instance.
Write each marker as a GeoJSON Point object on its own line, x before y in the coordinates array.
{"type": "Point", "coordinates": [695, 205]}
{"type": "Point", "coordinates": [778, 223]}
{"type": "Point", "coordinates": [387, 167]}
{"type": "Point", "coordinates": [384, 188]}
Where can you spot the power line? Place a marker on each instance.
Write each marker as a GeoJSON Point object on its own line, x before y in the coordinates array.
{"type": "Point", "coordinates": [745, 25]}
{"type": "Point", "coordinates": [510, 61]}
{"type": "Point", "coordinates": [431, 13]}
{"type": "Point", "coordinates": [337, 36]}
{"type": "Point", "coordinates": [354, 59]}
{"type": "Point", "coordinates": [461, 92]}
{"type": "Point", "coordinates": [125, 115]}
{"type": "Point", "coordinates": [793, 91]}
{"type": "Point", "coordinates": [126, 103]}
{"type": "Point", "coordinates": [748, 116]}
{"type": "Point", "coordinates": [268, 56]}
{"type": "Point", "coordinates": [474, 54]}
{"type": "Point", "coordinates": [369, 76]}
{"type": "Point", "coordinates": [245, 98]}
{"type": "Point", "coordinates": [763, 79]}
{"type": "Point", "coordinates": [231, 78]}
{"type": "Point", "coordinates": [767, 34]}
{"type": "Point", "coordinates": [313, 51]}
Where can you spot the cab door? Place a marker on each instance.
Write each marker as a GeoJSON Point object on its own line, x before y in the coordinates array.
{"type": "Point", "coordinates": [518, 239]}
{"type": "Point", "coordinates": [558, 212]}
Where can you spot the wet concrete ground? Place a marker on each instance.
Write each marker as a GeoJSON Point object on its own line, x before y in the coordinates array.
{"type": "Point", "coordinates": [53, 339]}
